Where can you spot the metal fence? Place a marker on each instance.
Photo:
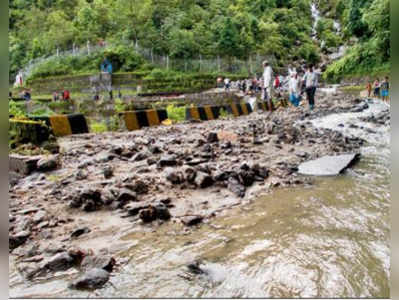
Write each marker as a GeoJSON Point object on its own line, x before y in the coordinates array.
{"type": "Point", "coordinates": [214, 64]}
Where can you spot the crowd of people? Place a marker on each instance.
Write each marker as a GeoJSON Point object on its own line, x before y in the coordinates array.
{"type": "Point", "coordinates": [64, 95]}
{"type": "Point", "coordinates": [296, 84]}
{"type": "Point", "coordinates": [379, 89]}
{"type": "Point", "coordinates": [271, 85]}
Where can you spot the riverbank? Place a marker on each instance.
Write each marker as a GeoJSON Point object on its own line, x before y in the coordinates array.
{"type": "Point", "coordinates": [113, 184]}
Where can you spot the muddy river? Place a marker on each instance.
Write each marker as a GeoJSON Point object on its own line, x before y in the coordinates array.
{"type": "Point", "coordinates": [330, 239]}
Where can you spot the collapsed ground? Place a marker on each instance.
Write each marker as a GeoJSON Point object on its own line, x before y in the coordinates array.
{"type": "Point", "coordinates": [103, 186]}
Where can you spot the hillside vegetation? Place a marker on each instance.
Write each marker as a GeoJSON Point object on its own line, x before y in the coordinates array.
{"type": "Point", "coordinates": [367, 30]}
{"type": "Point", "coordinates": [187, 29]}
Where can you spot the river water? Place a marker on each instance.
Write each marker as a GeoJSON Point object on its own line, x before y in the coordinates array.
{"type": "Point", "coordinates": [330, 239]}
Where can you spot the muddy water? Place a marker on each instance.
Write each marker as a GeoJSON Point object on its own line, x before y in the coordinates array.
{"type": "Point", "coordinates": [330, 239]}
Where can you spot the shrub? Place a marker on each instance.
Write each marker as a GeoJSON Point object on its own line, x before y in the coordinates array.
{"type": "Point", "coordinates": [176, 113]}
{"type": "Point", "coordinates": [224, 114]}
{"type": "Point", "coordinates": [123, 59]}
{"type": "Point", "coordinates": [119, 105]}
{"type": "Point", "coordinates": [98, 127]}
{"type": "Point", "coordinates": [15, 109]}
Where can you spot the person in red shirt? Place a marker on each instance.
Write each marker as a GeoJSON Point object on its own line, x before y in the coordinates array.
{"type": "Point", "coordinates": [65, 95]}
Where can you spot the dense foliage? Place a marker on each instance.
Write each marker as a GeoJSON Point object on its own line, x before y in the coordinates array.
{"type": "Point", "coordinates": [368, 21]}
{"type": "Point", "coordinates": [188, 29]}
{"type": "Point", "coordinates": [178, 28]}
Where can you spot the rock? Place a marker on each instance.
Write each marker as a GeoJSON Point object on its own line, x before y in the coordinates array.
{"type": "Point", "coordinates": [108, 172]}
{"type": "Point", "coordinates": [60, 262]}
{"type": "Point", "coordinates": [196, 162]}
{"type": "Point", "coordinates": [140, 187]}
{"type": "Point", "coordinates": [125, 196]}
{"type": "Point", "coordinates": [81, 175]}
{"type": "Point", "coordinates": [174, 176]}
{"type": "Point", "coordinates": [151, 161]}
{"type": "Point", "coordinates": [162, 212]}
{"type": "Point", "coordinates": [155, 148]}
{"type": "Point", "coordinates": [43, 224]}
{"type": "Point", "coordinates": [257, 141]}
{"type": "Point", "coordinates": [109, 195]}
{"type": "Point", "coordinates": [167, 161]}
{"type": "Point", "coordinates": [195, 268]}
{"type": "Point", "coordinates": [140, 156]}
{"type": "Point", "coordinates": [149, 214]}
{"type": "Point", "coordinates": [40, 216]}
{"type": "Point", "coordinates": [189, 174]}
{"type": "Point", "coordinates": [203, 180]}
{"type": "Point", "coordinates": [47, 164]}
{"type": "Point", "coordinates": [236, 187]}
{"type": "Point", "coordinates": [247, 178]}
{"type": "Point", "coordinates": [116, 149]}
{"type": "Point", "coordinates": [23, 165]}
{"type": "Point", "coordinates": [54, 248]}
{"type": "Point", "coordinates": [134, 208]}
{"type": "Point", "coordinates": [92, 279]}
{"type": "Point", "coordinates": [328, 165]}
{"type": "Point", "coordinates": [192, 220]}
{"type": "Point", "coordinates": [261, 172]}
{"type": "Point", "coordinates": [104, 157]}
{"type": "Point", "coordinates": [212, 137]}
{"type": "Point", "coordinates": [18, 239]}
{"type": "Point", "coordinates": [89, 199]}
{"type": "Point", "coordinates": [79, 232]}
{"type": "Point", "coordinates": [104, 262]}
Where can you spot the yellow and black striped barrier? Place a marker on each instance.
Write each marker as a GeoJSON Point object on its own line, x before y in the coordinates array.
{"type": "Point", "coordinates": [135, 120]}
{"type": "Point", "coordinates": [209, 112]}
{"type": "Point", "coordinates": [63, 125]}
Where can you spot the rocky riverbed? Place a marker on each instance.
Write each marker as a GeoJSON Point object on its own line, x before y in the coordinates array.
{"type": "Point", "coordinates": [66, 219]}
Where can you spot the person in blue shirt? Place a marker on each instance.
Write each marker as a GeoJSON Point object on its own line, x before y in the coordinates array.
{"type": "Point", "coordinates": [106, 66]}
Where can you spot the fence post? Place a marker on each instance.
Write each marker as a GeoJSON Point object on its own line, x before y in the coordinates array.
{"type": "Point", "coordinates": [88, 47]}
{"type": "Point", "coordinates": [218, 63]}
{"type": "Point", "coordinates": [152, 56]}
{"type": "Point", "coordinates": [167, 62]}
{"type": "Point", "coordinates": [200, 63]}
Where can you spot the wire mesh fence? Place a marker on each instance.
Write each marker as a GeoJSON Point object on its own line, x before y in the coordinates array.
{"type": "Point", "coordinates": [251, 66]}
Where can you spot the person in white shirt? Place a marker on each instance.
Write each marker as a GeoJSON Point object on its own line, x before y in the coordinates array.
{"type": "Point", "coordinates": [267, 83]}
{"type": "Point", "coordinates": [310, 80]}
{"type": "Point", "coordinates": [291, 70]}
{"type": "Point", "coordinates": [227, 84]}
{"type": "Point", "coordinates": [293, 88]}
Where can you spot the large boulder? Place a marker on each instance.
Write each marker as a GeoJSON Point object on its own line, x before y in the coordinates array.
{"type": "Point", "coordinates": [47, 163]}
{"type": "Point", "coordinates": [92, 279]}
{"type": "Point", "coordinates": [18, 239]}
{"type": "Point", "coordinates": [328, 165]}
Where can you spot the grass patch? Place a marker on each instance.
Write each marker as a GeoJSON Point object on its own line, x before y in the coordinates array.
{"type": "Point", "coordinates": [98, 127]}
{"type": "Point", "coordinates": [176, 113]}
{"type": "Point", "coordinates": [224, 114]}
{"type": "Point", "coordinates": [352, 88]}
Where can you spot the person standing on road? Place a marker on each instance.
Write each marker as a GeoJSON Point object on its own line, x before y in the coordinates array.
{"type": "Point", "coordinates": [267, 83]}
{"type": "Point", "coordinates": [226, 84]}
{"type": "Point", "coordinates": [369, 88]}
{"type": "Point", "coordinates": [377, 87]}
{"type": "Point", "coordinates": [385, 89]}
{"type": "Point", "coordinates": [310, 80]}
{"type": "Point", "coordinates": [293, 88]}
